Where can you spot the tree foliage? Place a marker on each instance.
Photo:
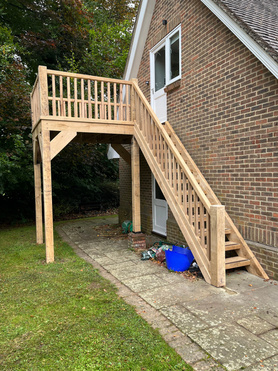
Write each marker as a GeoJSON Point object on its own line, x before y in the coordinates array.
{"type": "Point", "coordinates": [84, 36]}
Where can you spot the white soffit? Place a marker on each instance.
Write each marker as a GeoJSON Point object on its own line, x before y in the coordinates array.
{"type": "Point", "coordinates": [255, 48]}
{"type": "Point", "coordinates": [139, 37]}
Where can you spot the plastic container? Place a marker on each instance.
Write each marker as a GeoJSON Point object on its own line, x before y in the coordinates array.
{"type": "Point", "coordinates": [179, 259]}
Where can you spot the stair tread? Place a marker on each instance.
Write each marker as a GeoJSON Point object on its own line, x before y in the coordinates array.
{"type": "Point", "coordinates": [236, 261]}
{"type": "Point", "coordinates": [231, 245]}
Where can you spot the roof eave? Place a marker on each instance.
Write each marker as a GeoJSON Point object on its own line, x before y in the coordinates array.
{"type": "Point", "coordinates": [139, 37]}
{"type": "Point", "coordinates": [250, 43]}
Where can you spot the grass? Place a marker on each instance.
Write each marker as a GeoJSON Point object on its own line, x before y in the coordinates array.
{"type": "Point", "coordinates": [65, 316]}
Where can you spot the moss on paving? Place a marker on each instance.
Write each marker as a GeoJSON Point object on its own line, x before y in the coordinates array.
{"type": "Point", "coordinates": [65, 316]}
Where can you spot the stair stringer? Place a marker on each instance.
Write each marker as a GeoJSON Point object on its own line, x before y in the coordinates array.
{"type": "Point", "coordinates": [181, 218]}
{"type": "Point", "coordinates": [245, 251]}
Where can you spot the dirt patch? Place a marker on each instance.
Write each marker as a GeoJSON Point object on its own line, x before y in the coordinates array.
{"type": "Point", "coordinates": [110, 231]}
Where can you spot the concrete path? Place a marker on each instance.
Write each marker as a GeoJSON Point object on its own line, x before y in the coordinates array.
{"type": "Point", "coordinates": [234, 327]}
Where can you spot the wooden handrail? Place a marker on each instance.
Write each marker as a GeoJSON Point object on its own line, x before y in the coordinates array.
{"type": "Point", "coordinates": [169, 142]}
{"type": "Point", "coordinates": [87, 77]}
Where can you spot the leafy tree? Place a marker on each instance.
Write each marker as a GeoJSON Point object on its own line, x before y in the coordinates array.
{"type": "Point", "coordinates": [47, 31]}
{"type": "Point", "coordinates": [85, 36]}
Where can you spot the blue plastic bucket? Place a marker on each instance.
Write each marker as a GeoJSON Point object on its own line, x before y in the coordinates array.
{"type": "Point", "coordinates": [179, 259]}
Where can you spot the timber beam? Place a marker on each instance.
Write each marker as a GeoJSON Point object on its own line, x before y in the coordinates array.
{"type": "Point", "coordinates": [125, 155]}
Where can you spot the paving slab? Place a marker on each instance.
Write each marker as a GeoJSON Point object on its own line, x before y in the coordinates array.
{"type": "Point", "coordinates": [179, 292]}
{"type": "Point", "coordinates": [220, 309]}
{"type": "Point", "coordinates": [233, 346]}
{"type": "Point", "coordinates": [186, 321]}
{"type": "Point", "coordinates": [255, 324]}
{"type": "Point", "coordinates": [270, 364]}
{"type": "Point", "coordinates": [145, 283]}
{"type": "Point", "coordinates": [271, 337]}
{"type": "Point", "coordinates": [235, 327]}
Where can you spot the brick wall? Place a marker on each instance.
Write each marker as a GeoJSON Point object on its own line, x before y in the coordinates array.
{"type": "Point", "coordinates": [125, 210]}
{"type": "Point", "coordinates": [225, 112]}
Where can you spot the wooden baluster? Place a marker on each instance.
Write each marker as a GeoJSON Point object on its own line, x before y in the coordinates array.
{"type": "Point", "coordinates": [202, 225]}
{"type": "Point", "coordinates": [109, 100]}
{"type": "Point", "coordinates": [89, 99]}
{"type": "Point", "coordinates": [82, 113]}
{"type": "Point", "coordinates": [196, 212]}
{"type": "Point", "coordinates": [62, 112]}
{"type": "Point", "coordinates": [163, 154]}
{"type": "Point", "coordinates": [207, 227]}
{"type": "Point", "coordinates": [127, 102]}
{"type": "Point", "coordinates": [115, 102]}
{"type": "Point", "coordinates": [96, 100]}
{"type": "Point", "coordinates": [53, 96]}
{"type": "Point", "coordinates": [185, 194]}
{"type": "Point", "coordinates": [121, 102]}
{"type": "Point", "coordinates": [166, 160]}
{"type": "Point", "coordinates": [69, 97]}
{"type": "Point", "coordinates": [174, 165]}
{"type": "Point", "coordinates": [179, 185]}
{"type": "Point", "coordinates": [151, 134]}
{"type": "Point", "coordinates": [75, 98]}
{"type": "Point", "coordinates": [190, 202]}
{"type": "Point", "coordinates": [161, 151]}
{"type": "Point", "coordinates": [154, 139]}
{"type": "Point", "coordinates": [102, 101]}
{"type": "Point", "coordinates": [148, 129]}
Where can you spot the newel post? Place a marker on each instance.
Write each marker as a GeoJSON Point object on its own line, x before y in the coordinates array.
{"type": "Point", "coordinates": [43, 90]}
{"type": "Point", "coordinates": [217, 243]}
{"type": "Point", "coordinates": [133, 108]}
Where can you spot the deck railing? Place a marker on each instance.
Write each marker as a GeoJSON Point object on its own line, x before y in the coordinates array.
{"type": "Point", "coordinates": [77, 96]}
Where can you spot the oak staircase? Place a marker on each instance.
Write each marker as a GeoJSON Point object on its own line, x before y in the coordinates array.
{"type": "Point", "coordinates": [69, 106]}
{"type": "Point", "coordinates": [194, 205]}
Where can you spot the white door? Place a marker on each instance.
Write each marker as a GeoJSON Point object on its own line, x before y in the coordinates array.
{"type": "Point", "coordinates": [160, 209]}
{"type": "Point", "coordinates": [158, 80]}
{"type": "Point", "coordinates": [159, 105]}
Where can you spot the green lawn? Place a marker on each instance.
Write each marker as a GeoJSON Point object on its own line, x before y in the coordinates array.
{"type": "Point", "coordinates": [65, 316]}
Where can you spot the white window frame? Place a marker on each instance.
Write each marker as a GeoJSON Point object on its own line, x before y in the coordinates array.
{"type": "Point", "coordinates": [166, 42]}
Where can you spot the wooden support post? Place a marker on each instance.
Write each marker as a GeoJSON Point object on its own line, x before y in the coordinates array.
{"type": "Point", "coordinates": [47, 196]}
{"type": "Point", "coordinates": [38, 194]}
{"type": "Point", "coordinates": [217, 241]}
{"type": "Point", "coordinates": [135, 174]}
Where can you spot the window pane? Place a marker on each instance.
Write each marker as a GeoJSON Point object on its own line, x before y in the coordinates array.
{"type": "Point", "coordinates": [158, 193]}
{"type": "Point", "coordinates": [175, 55]}
{"type": "Point", "coordinates": [160, 69]}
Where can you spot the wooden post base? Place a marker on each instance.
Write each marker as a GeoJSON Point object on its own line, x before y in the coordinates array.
{"type": "Point", "coordinates": [137, 241]}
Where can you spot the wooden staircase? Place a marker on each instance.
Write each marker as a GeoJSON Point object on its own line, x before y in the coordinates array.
{"type": "Point", "coordinates": [67, 106]}
{"type": "Point", "coordinates": [210, 233]}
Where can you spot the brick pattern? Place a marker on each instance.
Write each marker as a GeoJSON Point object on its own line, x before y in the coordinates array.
{"type": "Point", "coordinates": [268, 257]}
{"type": "Point", "coordinates": [225, 112]}
{"type": "Point", "coordinates": [137, 241]}
{"type": "Point", "coordinates": [125, 211]}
